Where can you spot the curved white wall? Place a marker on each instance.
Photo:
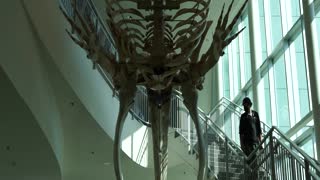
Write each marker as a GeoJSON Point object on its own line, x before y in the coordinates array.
{"type": "Point", "coordinates": [71, 60]}
{"type": "Point", "coordinates": [24, 150]}
{"type": "Point", "coordinates": [21, 61]}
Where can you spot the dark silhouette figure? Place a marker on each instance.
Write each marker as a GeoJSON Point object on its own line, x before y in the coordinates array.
{"type": "Point", "coordinates": [249, 129]}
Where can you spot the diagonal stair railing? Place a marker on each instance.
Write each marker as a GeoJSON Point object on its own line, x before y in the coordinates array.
{"type": "Point", "coordinates": [277, 157]}
{"type": "Point", "coordinates": [282, 159]}
{"type": "Point", "coordinates": [225, 158]}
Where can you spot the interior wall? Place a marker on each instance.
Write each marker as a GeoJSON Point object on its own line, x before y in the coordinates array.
{"type": "Point", "coordinates": [29, 65]}
{"type": "Point", "coordinates": [25, 152]}
{"type": "Point", "coordinates": [206, 94]}
{"type": "Point", "coordinates": [77, 70]}
{"type": "Point", "coordinates": [21, 61]}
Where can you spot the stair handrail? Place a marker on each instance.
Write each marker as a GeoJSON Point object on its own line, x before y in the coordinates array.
{"type": "Point", "coordinates": [206, 116]}
{"type": "Point", "coordinates": [229, 142]}
{"type": "Point", "coordinates": [265, 126]}
{"type": "Point", "coordinates": [297, 148]}
{"type": "Point", "coordinates": [228, 100]}
{"type": "Point", "coordinates": [304, 159]}
{"type": "Point", "coordinates": [143, 147]}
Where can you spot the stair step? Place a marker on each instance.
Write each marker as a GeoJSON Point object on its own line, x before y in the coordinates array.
{"type": "Point", "coordinates": [222, 169]}
{"type": "Point", "coordinates": [218, 153]}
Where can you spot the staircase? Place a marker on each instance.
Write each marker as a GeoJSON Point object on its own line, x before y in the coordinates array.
{"type": "Point", "coordinates": [224, 162]}
{"type": "Point", "coordinates": [279, 158]}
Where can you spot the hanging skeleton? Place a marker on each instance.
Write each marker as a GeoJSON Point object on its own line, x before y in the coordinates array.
{"type": "Point", "coordinates": [158, 44]}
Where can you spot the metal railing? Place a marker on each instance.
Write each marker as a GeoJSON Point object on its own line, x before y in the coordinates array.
{"type": "Point", "coordinates": [282, 159]}
{"type": "Point", "coordinates": [143, 147]}
{"type": "Point", "coordinates": [277, 157]}
{"type": "Point", "coordinates": [226, 115]}
{"type": "Point", "coordinates": [214, 137]}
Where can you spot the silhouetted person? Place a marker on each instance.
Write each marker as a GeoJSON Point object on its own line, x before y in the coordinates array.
{"type": "Point", "coordinates": [249, 129]}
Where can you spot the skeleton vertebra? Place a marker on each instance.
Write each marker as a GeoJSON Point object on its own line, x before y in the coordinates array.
{"type": "Point", "coordinates": [158, 49]}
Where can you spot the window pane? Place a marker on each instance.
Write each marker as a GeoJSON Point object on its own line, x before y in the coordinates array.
{"type": "Point", "coordinates": [226, 80]}
{"type": "Point", "coordinates": [295, 11]}
{"type": "Point", "coordinates": [267, 107]}
{"type": "Point", "coordinates": [276, 26]}
{"type": "Point", "coordinates": [308, 147]}
{"type": "Point", "coordinates": [247, 58]}
{"type": "Point", "coordinates": [317, 20]}
{"type": "Point", "coordinates": [300, 66]}
{"type": "Point", "coordinates": [262, 30]}
{"type": "Point", "coordinates": [250, 93]}
{"type": "Point", "coordinates": [281, 95]}
{"type": "Point", "coordinates": [236, 80]}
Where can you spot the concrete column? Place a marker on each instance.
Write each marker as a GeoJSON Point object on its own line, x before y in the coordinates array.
{"type": "Point", "coordinates": [314, 63]}
{"type": "Point", "coordinates": [256, 56]}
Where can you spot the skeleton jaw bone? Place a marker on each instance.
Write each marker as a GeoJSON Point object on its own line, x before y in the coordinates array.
{"type": "Point", "coordinates": [190, 96]}
{"type": "Point", "coordinates": [127, 91]}
{"type": "Point", "coordinates": [159, 119]}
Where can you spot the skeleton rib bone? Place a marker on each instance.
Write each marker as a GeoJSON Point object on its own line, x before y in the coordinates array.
{"type": "Point", "coordinates": [160, 51]}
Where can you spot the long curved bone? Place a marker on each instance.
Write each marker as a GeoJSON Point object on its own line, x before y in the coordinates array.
{"type": "Point", "coordinates": [87, 41]}
{"type": "Point", "coordinates": [183, 58]}
{"type": "Point", "coordinates": [181, 12]}
{"type": "Point", "coordinates": [158, 116]}
{"type": "Point", "coordinates": [190, 96]}
{"type": "Point", "coordinates": [120, 12]}
{"type": "Point", "coordinates": [127, 90]}
{"type": "Point", "coordinates": [202, 13]}
{"type": "Point", "coordinates": [196, 52]}
{"type": "Point", "coordinates": [135, 31]}
{"type": "Point", "coordinates": [195, 36]}
{"type": "Point", "coordinates": [220, 40]}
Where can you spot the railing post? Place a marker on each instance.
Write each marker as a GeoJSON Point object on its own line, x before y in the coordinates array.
{"type": "Point", "coordinates": [189, 133]}
{"type": "Point", "coordinates": [272, 163]}
{"type": "Point", "coordinates": [293, 168]}
{"type": "Point", "coordinates": [246, 168]}
{"type": "Point", "coordinates": [307, 168]}
{"type": "Point", "coordinates": [226, 158]}
{"type": "Point", "coordinates": [206, 131]}
{"type": "Point", "coordinates": [207, 141]}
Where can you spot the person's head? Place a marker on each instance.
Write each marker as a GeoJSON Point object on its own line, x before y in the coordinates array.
{"type": "Point", "coordinates": [246, 102]}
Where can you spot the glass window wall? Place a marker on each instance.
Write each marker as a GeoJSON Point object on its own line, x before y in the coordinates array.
{"type": "Point", "coordinates": [247, 51]}
{"type": "Point", "coordinates": [236, 67]}
{"type": "Point", "coordinates": [281, 94]}
{"type": "Point", "coordinates": [294, 10]}
{"type": "Point", "coordinates": [299, 68]}
{"type": "Point", "coordinates": [267, 101]}
{"type": "Point", "coordinates": [225, 76]}
{"type": "Point", "coordinates": [284, 72]}
{"type": "Point", "coordinates": [262, 30]}
{"type": "Point", "coordinates": [317, 20]}
{"type": "Point", "coordinates": [275, 23]}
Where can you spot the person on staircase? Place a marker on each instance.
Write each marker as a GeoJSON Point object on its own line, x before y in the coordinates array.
{"type": "Point", "coordinates": [249, 129]}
